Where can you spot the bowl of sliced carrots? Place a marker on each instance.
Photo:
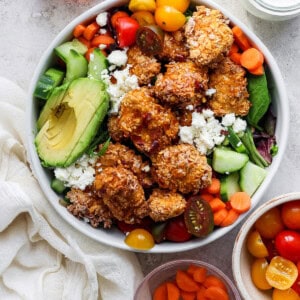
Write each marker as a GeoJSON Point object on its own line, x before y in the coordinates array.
{"type": "Point", "coordinates": [186, 279]}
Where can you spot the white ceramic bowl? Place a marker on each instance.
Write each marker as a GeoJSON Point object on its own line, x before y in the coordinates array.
{"type": "Point", "coordinates": [241, 258]}
{"type": "Point", "coordinates": [114, 237]}
{"type": "Point", "coordinates": [167, 272]}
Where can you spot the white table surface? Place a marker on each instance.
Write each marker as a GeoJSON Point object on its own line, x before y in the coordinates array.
{"type": "Point", "coordinates": [27, 28]}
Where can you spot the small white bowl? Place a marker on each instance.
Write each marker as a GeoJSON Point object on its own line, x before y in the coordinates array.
{"type": "Point", "coordinates": [241, 258]}
{"type": "Point", "coordinates": [114, 237]}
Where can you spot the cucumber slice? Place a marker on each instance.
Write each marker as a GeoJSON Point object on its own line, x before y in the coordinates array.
{"type": "Point", "coordinates": [57, 185]}
{"type": "Point", "coordinates": [229, 185]}
{"type": "Point", "coordinates": [63, 50]}
{"type": "Point", "coordinates": [226, 161]}
{"type": "Point", "coordinates": [47, 82]}
{"type": "Point", "coordinates": [251, 177]}
{"type": "Point", "coordinates": [98, 63]}
{"type": "Point", "coordinates": [235, 141]}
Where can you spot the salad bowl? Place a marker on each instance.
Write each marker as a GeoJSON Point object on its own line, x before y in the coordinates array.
{"type": "Point", "coordinates": [114, 237]}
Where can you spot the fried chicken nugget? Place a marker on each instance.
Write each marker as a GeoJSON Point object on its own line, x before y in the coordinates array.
{"type": "Point", "coordinates": [150, 126]}
{"type": "Point", "coordinates": [183, 83]}
{"type": "Point", "coordinates": [120, 155]}
{"type": "Point", "coordinates": [165, 204]}
{"type": "Point", "coordinates": [181, 168]}
{"type": "Point", "coordinates": [208, 35]}
{"type": "Point", "coordinates": [143, 66]}
{"type": "Point", "coordinates": [231, 96]}
{"type": "Point", "coordinates": [86, 205]}
{"type": "Point", "coordinates": [122, 193]}
{"type": "Point", "coordinates": [114, 129]}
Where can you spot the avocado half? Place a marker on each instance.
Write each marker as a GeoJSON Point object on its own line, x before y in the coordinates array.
{"type": "Point", "coordinates": [70, 120]}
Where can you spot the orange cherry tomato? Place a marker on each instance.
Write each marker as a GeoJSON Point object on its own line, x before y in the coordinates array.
{"type": "Point", "coordinates": [258, 274]}
{"type": "Point", "coordinates": [140, 239]}
{"type": "Point", "coordinates": [181, 5]}
{"type": "Point", "coordinates": [290, 213]}
{"type": "Point", "coordinates": [143, 17]}
{"type": "Point", "coordinates": [169, 18]}
{"type": "Point", "coordinates": [270, 223]}
{"type": "Point", "coordinates": [256, 246]}
{"type": "Point", "coordinates": [288, 294]}
{"type": "Point", "coordinates": [281, 273]}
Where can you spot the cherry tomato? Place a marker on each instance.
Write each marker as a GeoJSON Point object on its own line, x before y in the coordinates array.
{"type": "Point", "coordinates": [198, 217]}
{"type": "Point", "coordinates": [126, 28]}
{"type": "Point", "coordinates": [138, 5]}
{"type": "Point", "coordinates": [270, 223]}
{"type": "Point", "coordinates": [256, 246]}
{"type": "Point", "coordinates": [287, 243]}
{"type": "Point", "coordinates": [176, 230]}
{"type": "Point", "coordinates": [258, 274]}
{"type": "Point", "coordinates": [281, 273]}
{"type": "Point", "coordinates": [270, 245]}
{"type": "Point", "coordinates": [290, 213]}
{"type": "Point", "coordinates": [143, 17]}
{"type": "Point", "coordinates": [288, 294]}
{"type": "Point", "coordinates": [140, 239]}
{"type": "Point", "coordinates": [169, 18]}
{"type": "Point", "coordinates": [181, 5]}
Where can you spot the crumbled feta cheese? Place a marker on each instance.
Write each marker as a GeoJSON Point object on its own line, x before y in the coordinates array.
{"type": "Point", "coordinates": [239, 125]}
{"type": "Point", "coordinates": [102, 31]}
{"type": "Point", "coordinates": [78, 175]}
{"type": "Point", "coordinates": [189, 107]}
{"type": "Point", "coordinates": [118, 58]}
{"type": "Point", "coordinates": [102, 46]}
{"type": "Point", "coordinates": [210, 92]}
{"type": "Point", "coordinates": [198, 120]}
{"type": "Point", "coordinates": [186, 134]}
{"type": "Point", "coordinates": [146, 168]}
{"type": "Point", "coordinates": [101, 19]}
{"type": "Point", "coordinates": [228, 119]}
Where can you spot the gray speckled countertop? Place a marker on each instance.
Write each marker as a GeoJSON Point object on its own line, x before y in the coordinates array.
{"type": "Point", "coordinates": [27, 28]}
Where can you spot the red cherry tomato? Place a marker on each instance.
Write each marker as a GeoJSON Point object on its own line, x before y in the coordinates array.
{"type": "Point", "coordinates": [126, 29]}
{"type": "Point", "coordinates": [296, 285]}
{"type": "Point", "coordinates": [176, 230]}
{"type": "Point", "coordinates": [287, 242]}
{"type": "Point", "coordinates": [290, 214]}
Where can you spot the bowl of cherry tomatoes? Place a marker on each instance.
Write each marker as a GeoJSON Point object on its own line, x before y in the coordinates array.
{"type": "Point", "coordinates": [266, 254]}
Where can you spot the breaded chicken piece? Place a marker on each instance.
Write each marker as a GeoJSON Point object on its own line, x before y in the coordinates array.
{"type": "Point", "coordinates": [114, 130]}
{"type": "Point", "coordinates": [122, 193]}
{"type": "Point", "coordinates": [181, 168]}
{"type": "Point", "coordinates": [183, 83]}
{"type": "Point", "coordinates": [150, 126]}
{"type": "Point", "coordinates": [208, 36]}
{"type": "Point", "coordinates": [165, 204]}
{"type": "Point", "coordinates": [86, 205]}
{"type": "Point", "coordinates": [229, 80]}
{"type": "Point", "coordinates": [120, 155]}
{"type": "Point", "coordinates": [174, 48]}
{"type": "Point", "coordinates": [143, 66]}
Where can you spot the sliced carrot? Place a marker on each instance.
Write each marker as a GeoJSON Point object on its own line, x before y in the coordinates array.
{"type": "Point", "coordinates": [214, 187]}
{"type": "Point", "coordinates": [240, 38]}
{"type": "Point", "coordinates": [233, 49]}
{"type": "Point", "coordinates": [206, 196]}
{"type": "Point", "coordinates": [172, 291]}
{"type": "Point", "coordinates": [78, 30]}
{"type": "Point", "coordinates": [191, 269]}
{"type": "Point", "coordinates": [91, 30]}
{"type": "Point", "coordinates": [186, 282]}
{"type": "Point", "coordinates": [216, 204]}
{"type": "Point", "coordinates": [102, 39]}
{"type": "Point", "coordinates": [200, 274]}
{"type": "Point", "coordinates": [251, 59]}
{"type": "Point", "coordinates": [240, 202]}
{"type": "Point", "coordinates": [220, 215]}
{"type": "Point", "coordinates": [84, 41]}
{"type": "Point", "coordinates": [231, 217]}
{"type": "Point", "coordinates": [236, 57]}
{"type": "Point", "coordinates": [188, 295]}
{"type": "Point", "coordinates": [212, 280]}
{"type": "Point", "coordinates": [160, 293]}
{"type": "Point", "coordinates": [258, 71]}
{"type": "Point", "coordinates": [215, 293]}
{"type": "Point", "coordinates": [117, 15]}
{"type": "Point", "coordinates": [200, 293]}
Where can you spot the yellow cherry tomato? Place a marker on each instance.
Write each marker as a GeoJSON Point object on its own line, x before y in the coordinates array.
{"type": "Point", "coordinates": [255, 245]}
{"type": "Point", "coordinates": [138, 5]}
{"type": "Point", "coordinates": [144, 17]}
{"type": "Point", "coordinates": [181, 5]}
{"type": "Point", "coordinates": [258, 274]}
{"type": "Point", "coordinates": [281, 273]}
{"type": "Point", "coordinates": [288, 294]}
{"type": "Point", "coordinates": [169, 18]}
{"type": "Point", "coordinates": [140, 239]}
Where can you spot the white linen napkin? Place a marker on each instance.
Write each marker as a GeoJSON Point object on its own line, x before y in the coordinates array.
{"type": "Point", "coordinates": [41, 256]}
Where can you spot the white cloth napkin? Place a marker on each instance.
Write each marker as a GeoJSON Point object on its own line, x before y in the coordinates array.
{"type": "Point", "coordinates": [41, 256]}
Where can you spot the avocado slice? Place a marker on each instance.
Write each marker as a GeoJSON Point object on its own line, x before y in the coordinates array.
{"type": "Point", "coordinates": [71, 123]}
